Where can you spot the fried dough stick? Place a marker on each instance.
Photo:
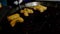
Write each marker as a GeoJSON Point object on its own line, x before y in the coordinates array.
{"type": "Point", "coordinates": [15, 18]}
{"type": "Point", "coordinates": [26, 11]}
{"type": "Point", "coordinates": [40, 8]}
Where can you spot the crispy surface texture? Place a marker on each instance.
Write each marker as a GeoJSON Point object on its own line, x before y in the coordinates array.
{"type": "Point", "coordinates": [40, 8]}
{"type": "Point", "coordinates": [15, 18]}
{"type": "Point", "coordinates": [13, 22]}
{"type": "Point", "coordinates": [26, 11]}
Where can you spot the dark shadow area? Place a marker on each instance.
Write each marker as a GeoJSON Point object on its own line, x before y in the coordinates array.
{"type": "Point", "coordinates": [48, 21]}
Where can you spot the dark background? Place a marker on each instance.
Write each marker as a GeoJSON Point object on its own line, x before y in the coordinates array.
{"type": "Point", "coordinates": [46, 22]}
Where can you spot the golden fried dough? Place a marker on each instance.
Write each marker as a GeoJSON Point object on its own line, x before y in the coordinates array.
{"type": "Point", "coordinates": [40, 8]}
{"type": "Point", "coordinates": [26, 14]}
{"type": "Point", "coordinates": [14, 16]}
{"type": "Point", "coordinates": [26, 11]}
{"type": "Point", "coordinates": [13, 22]}
{"type": "Point", "coordinates": [22, 11]}
{"type": "Point", "coordinates": [20, 20]}
{"type": "Point", "coordinates": [29, 10]}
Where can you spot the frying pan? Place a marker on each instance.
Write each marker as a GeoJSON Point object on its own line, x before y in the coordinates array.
{"type": "Point", "coordinates": [20, 6]}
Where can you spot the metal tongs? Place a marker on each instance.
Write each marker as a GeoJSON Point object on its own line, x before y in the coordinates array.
{"type": "Point", "coordinates": [30, 4]}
